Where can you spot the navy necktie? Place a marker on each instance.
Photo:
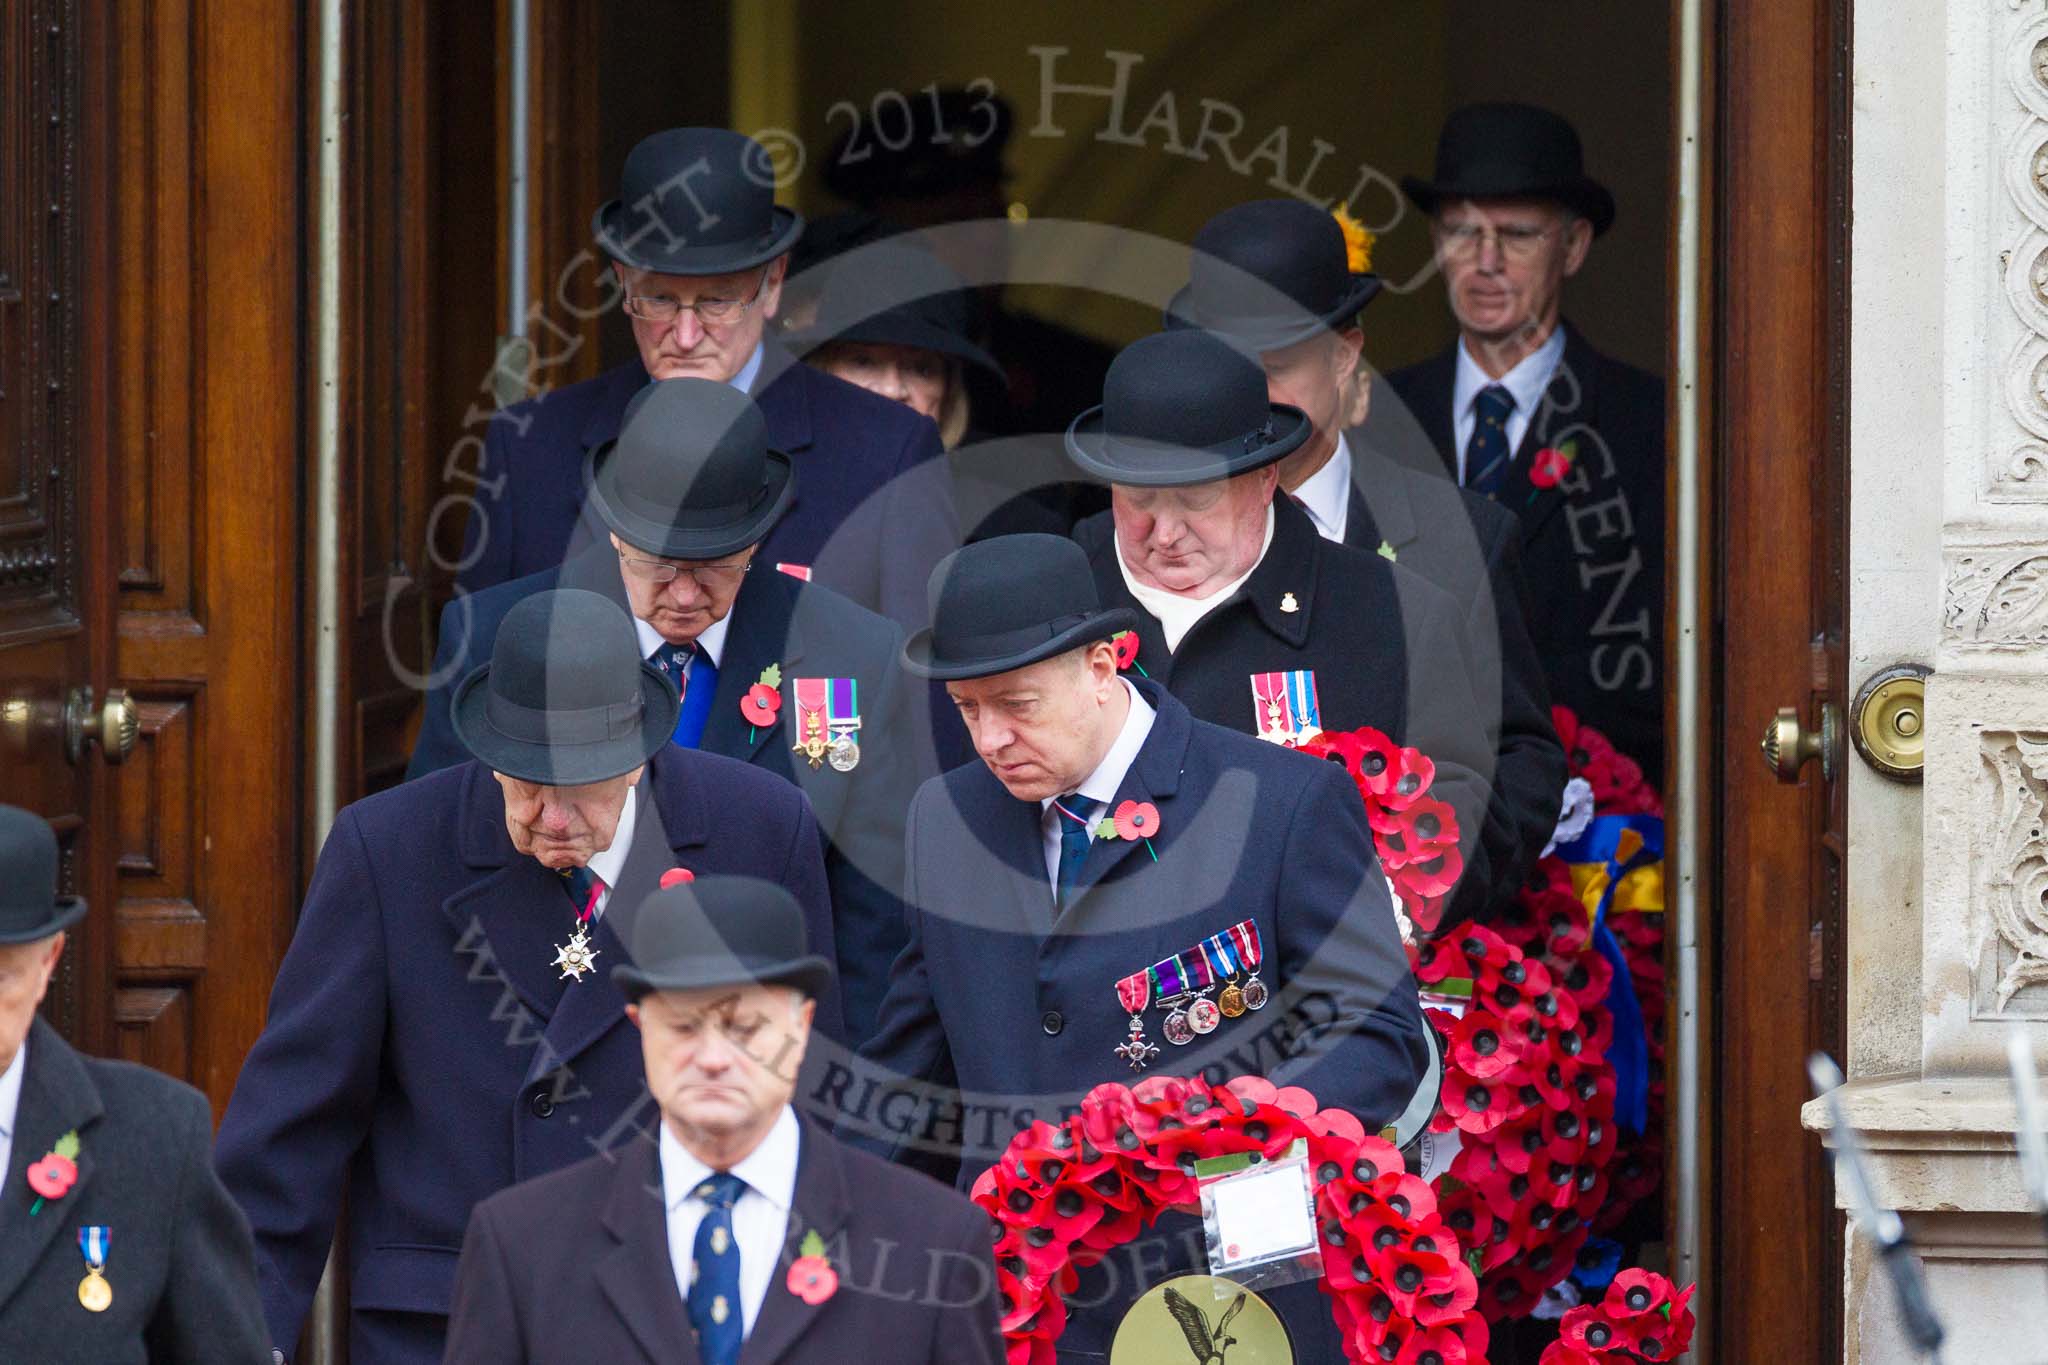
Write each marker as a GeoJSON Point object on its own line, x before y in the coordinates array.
{"type": "Point", "coordinates": [698, 685]}
{"type": "Point", "coordinates": [1077, 831]}
{"type": "Point", "coordinates": [1486, 454]}
{"type": "Point", "coordinates": [582, 884]}
{"type": "Point", "coordinates": [715, 1272]}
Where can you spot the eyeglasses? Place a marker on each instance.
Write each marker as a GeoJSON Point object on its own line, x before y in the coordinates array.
{"type": "Point", "coordinates": [709, 577]}
{"type": "Point", "coordinates": [712, 312]}
{"type": "Point", "coordinates": [1516, 243]}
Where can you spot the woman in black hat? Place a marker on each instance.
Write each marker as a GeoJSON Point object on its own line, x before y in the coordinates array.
{"type": "Point", "coordinates": [896, 321]}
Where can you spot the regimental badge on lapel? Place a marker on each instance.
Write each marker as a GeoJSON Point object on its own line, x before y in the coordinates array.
{"type": "Point", "coordinates": [828, 721]}
{"type": "Point", "coordinates": [1285, 708]}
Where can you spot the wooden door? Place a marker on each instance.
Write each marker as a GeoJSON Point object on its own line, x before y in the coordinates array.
{"type": "Point", "coordinates": [150, 463]}
{"type": "Point", "coordinates": [1773, 944]}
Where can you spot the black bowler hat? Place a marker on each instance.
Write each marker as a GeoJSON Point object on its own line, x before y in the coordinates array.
{"type": "Point", "coordinates": [1512, 151]}
{"type": "Point", "coordinates": [691, 475]}
{"type": "Point", "coordinates": [1007, 602]}
{"type": "Point", "coordinates": [1270, 273]}
{"type": "Point", "coordinates": [720, 931]}
{"type": "Point", "coordinates": [898, 295]}
{"type": "Point", "coordinates": [919, 145]}
{"type": "Point", "coordinates": [566, 698]}
{"type": "Point", "coordinates": [1183, 407]}
{"type": "Point", "coordinates": [30, 907]}
{"type": "Point", "coordinates": [696, 201]}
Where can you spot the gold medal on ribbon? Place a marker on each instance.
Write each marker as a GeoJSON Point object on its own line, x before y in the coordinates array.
{"type": "Point", "coordinates": [94, 1293]}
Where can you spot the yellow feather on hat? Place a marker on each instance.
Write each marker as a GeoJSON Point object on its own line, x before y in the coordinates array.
{"type": "Point", "coordinates": [1358, 242]}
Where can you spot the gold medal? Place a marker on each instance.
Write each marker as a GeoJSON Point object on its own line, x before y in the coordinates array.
{"type": "Point", "coordinates": [94, 1292]}
{"type": "Point", "coordinates": [1231, 1002]}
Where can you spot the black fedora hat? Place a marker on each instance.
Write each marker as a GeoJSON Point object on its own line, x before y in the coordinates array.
{"type": "Point", "coordinates": [720, 931]}
{"type": "Point", "coordinates": [691, 474]}
{"type": "Point", "coordinates": [1008, 602]}
{"type": "Point", "coordinates": [30, 908]}
{"type": "Point", "coordinates": [1270, 273]}
{"type": "Point", "coordinates": [897, 294]}
{"type": "Point", "coordinates": [696, 201]}
{"type": "Point", "coordinates": [566, 698]}
{"type": "Point", "coordinates": [1512, 151]}
{"type": "Point", "coordinates": [1183, 407]}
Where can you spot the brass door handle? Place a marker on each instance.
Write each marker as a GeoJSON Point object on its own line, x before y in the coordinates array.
{"type": "Point", "coordinates": [1788, 746]}
{"type": "Point", "coordinates": [114, 724]}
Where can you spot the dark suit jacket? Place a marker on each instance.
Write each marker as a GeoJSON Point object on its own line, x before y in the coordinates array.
{"type": "Point", "coordinates": [1593, 545]}
{"type": "Point", "coordinates": [422, 1053]}
{"type": "Point", "coordinates": [1470, 547]}
{"type": "Point", "coordinates": [812, 632]}
{"type": "Point", "coordinates": [575, 1267]}
{"type": "Point", "coordinates": [179, 1260]}
{"type": "Point", "coordinates": [1019, 1003]}
{"type": "Point", "coordinates": [1388, 649]}
{"type": "Point", "coordinates": [865, 521]}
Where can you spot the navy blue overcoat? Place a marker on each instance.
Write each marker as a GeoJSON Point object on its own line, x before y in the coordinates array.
{"type": "Point", "coordinates": [422, 1053]}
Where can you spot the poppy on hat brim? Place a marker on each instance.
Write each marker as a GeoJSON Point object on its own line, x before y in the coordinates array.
{"type": "Point", "coordinates": [1008, 653]}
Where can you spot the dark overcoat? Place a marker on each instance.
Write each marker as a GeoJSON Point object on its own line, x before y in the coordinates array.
{"type": "Point", "coordinates": [810, 631]}
{"type": "Point", "coordinates": [179, 1259]}
{"type": "Point", "coordinates": [1388, 649]}
{"type": "Point", "coordinates": [1470, 547]}
{"type": "Point", "coordinates": [575, 1267]}
{"type": "Point", "coordinates": [1593, 544]}
{"type": "Point", "coordinates": [422, 1052]}
{"type": "Point", "coordinates": [864, 520]}
{"type": "Point", "coordinates": [1017, 1003]}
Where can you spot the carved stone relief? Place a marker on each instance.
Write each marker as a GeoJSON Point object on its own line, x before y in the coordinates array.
{"type": "Point", "coordinates": [1995, 599]}
{"type": "Point", "coordinates": [2017, 472]}
{"type": "Point", "coordinates": [2012, 874]}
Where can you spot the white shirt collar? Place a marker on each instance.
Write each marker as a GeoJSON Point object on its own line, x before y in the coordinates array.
{"type": "Point", "coordinates": [711, 640]}
{"type": "Point", "coordinates": [1326, 494]}
{"type": "Point", "coordinates": [1102, 784]}
{"type": "Point", "coordinates": [1525, 383]}
{"type": "Point", "coordinates": [10, 1092]}
{"type": "Point", "coordinates": [749, 372]}
{"type": "Point", "coordinates": [769, 1170]}
{"type": "Point", "coordinates": [606, 865]}
{"type": "Point", "coordinates": [1176, 614]}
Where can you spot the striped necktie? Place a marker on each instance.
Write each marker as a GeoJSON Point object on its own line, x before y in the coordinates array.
{"type": "Point", "coordinates": [1076, 815]}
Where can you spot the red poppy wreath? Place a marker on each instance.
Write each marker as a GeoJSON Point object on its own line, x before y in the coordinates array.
{"type": "Point", "coordinates": [1520, 1005]}
{"type": "Point", "coordinates": [1400, 1284]}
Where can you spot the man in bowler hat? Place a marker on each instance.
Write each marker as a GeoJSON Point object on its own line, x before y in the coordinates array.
{"type": "Point", "coordinates": [699, 248]}
{"type": "Point", "coordinates": [688, 492]}
{"type": "Point", "coordinates": [1522, 409]}
{"type": "Point", "coordinates": [740, 1230]}
{"type": "Point", "coordinates": [1235, 595]}
{"type": "Point", "coordinates": [1119, 887]}
{"type": "Point", "coordinates": [444, 1023]}
{"type": "Point", "coordinates": [117, 1242]}
{"type": "Point", "coordinates": [1274, 277]}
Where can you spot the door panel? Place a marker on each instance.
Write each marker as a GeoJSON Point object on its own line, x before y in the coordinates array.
{"type": "Point", "coordinates": [1774, 944]}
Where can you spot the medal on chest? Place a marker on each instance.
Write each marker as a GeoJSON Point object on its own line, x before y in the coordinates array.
{"type": "Point", "coordinates": [577, 956]}
{"type": "Point", "coordinates": [828, 722]}
{"type": "Point", "coordinates": [1285, 707]}
{"type": "Point", "coordinates": [1134, 992]}
{"type": "Point", "coordinates": [94, 1293]}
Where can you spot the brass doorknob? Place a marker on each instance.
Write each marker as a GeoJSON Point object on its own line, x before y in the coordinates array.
{"type": "Point", "coordinates": [114, 724]}
{"type": "Point", "coordinates": [1788, 746]}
